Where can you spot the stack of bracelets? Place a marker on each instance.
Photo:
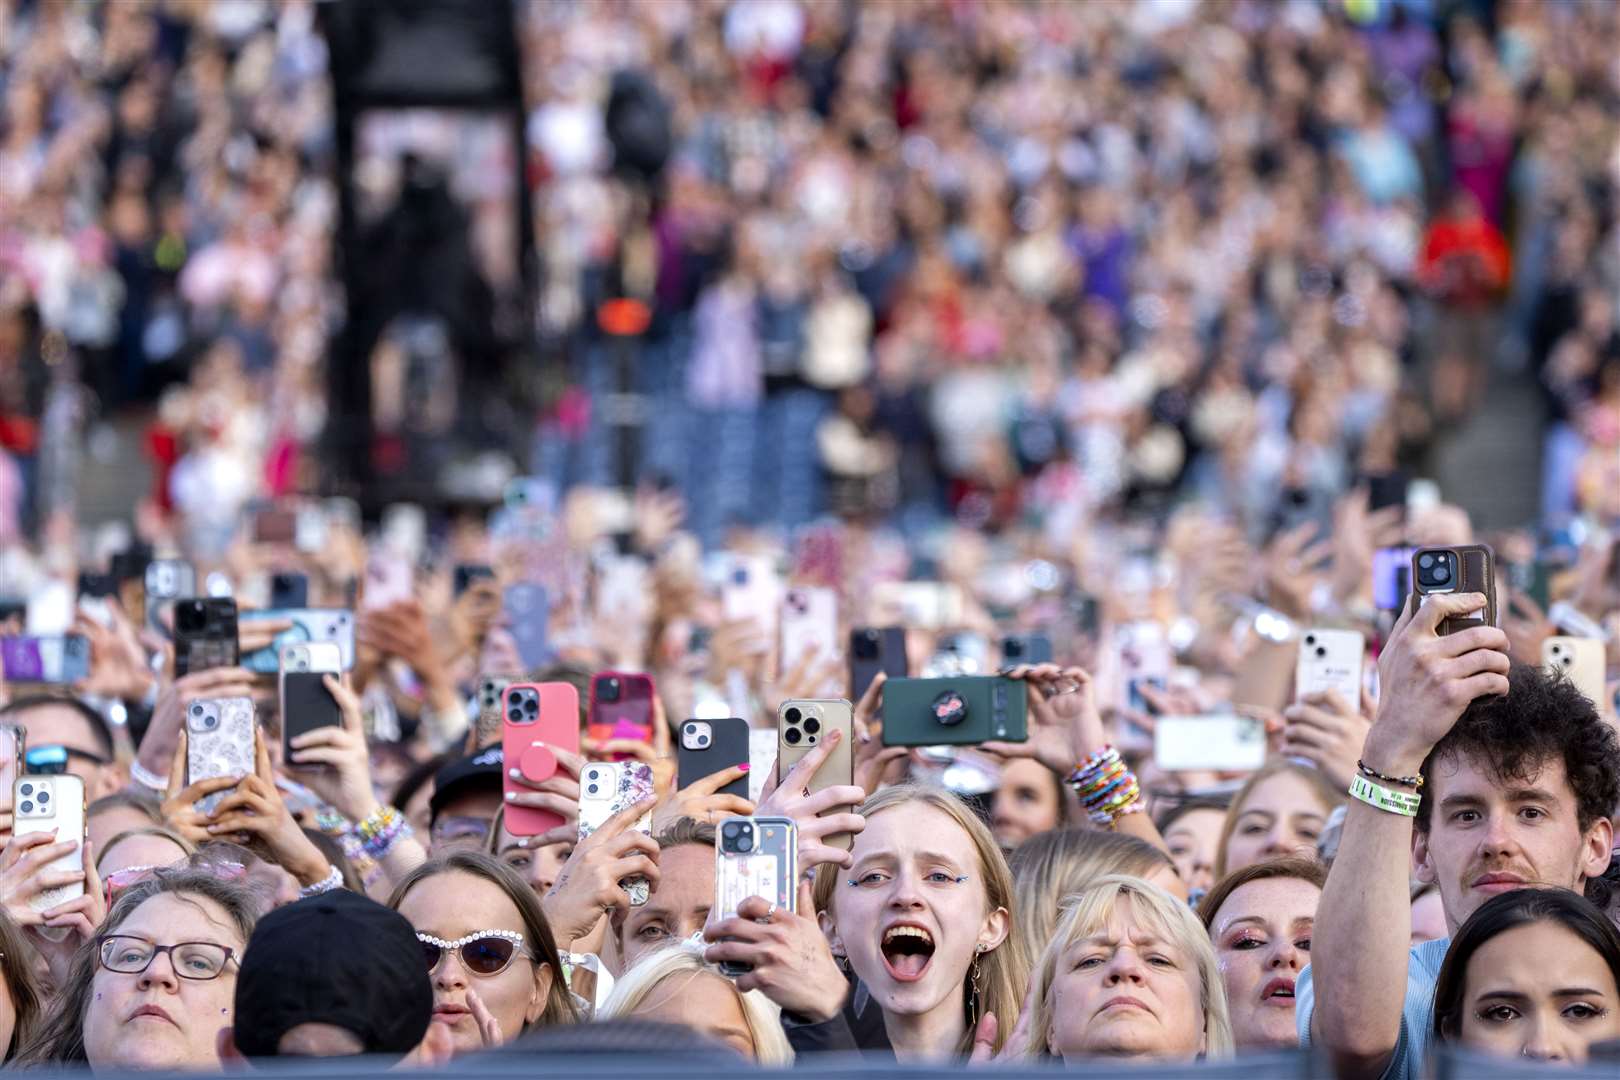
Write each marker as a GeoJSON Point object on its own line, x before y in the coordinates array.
{"type": "Point", "coordinates": [1105, 787]}
{"type": "Point", "coordinates": [380, 830]}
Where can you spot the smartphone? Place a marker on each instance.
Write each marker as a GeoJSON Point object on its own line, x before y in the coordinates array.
{"type": "Point", "coordinates": [50, 608]}
{"type": "Point", "coordinates": [487, 729]}
{"type": "Point", "coordinates": [530, 493]}
{"type": "Point", "coordinates": [961, 653]}
{"type": "Point", "coordinates": [809, 622]}
{"type": "Point", "coordinates": [605, 788]}
{"type": "Point", "coordinates": [306, 704]}
{"type": "Point", "coordinates": [1533, 579]}
{"type": "Point", "coordinates": [920, 605]}
{"type": "Point", "coordinates": [289, 590]}
{"type": "Point", "coordinates": [801, 725]}
{"type": "Point", "coordinates": [621, 707]}
{"type": "Point", "coordinates": [50, 658]}
{"type": "Point", "coordinates": [528, 616]}
{"type": "Point", "coordinates": [1225, 743]}
{"type": "Point", "coordinates": [961, 710]}
{"type": "Point", "coordinates": [128, 569]}
{"type": "Point", "coordinates": [1026, 649]}
{"type": "Point", "coordinates": [205, 634]}
{"type": "Point", "coordinates": [1392, 577]}
{"type": "Point", "coordinates": [388, 581]}
{"type": "Point", "coordinates": [219, 742]}
{"type": "Point", "coordinates": [333, 625]}
{"type": "Point", "coordinates": [750, 591]}
{"type": "Point", "coordinates": [874, 649]}
{"type": "Point", "coordinates": [536, 714]}
{"type": "Point", "coordinates": [1144, 660]}
{"type": "Point", "coordinates": [1385, 490]}
{"type": "Point", "coordinates": [466, 573]}
{"type": "Point", "coordinates": [46, 803]}
{"type": "Point", "coordinates": [754, 856]}
{"type": "Point", "coordinates": [622, 592]}
{"type": "Point", "coordinates": [167, 580]}
{"type": "Point", "coordinates": [1580, 660]}
{"type": "Point", "coordinates": [705, 747]}
{"type": "Point", "coordinates": [1440, 570]}
{"type": "Point", "coordinates": [1330, 660]}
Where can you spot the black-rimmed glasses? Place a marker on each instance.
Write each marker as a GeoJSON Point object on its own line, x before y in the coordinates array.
{"type": "Point", "coordinates": [198, 960]}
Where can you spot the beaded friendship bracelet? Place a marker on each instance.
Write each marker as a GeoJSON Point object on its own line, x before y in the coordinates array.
{"type": "Point", "coordinates": [1373, 774]}
{"type": "Point", "coordinates": [1105, 786]}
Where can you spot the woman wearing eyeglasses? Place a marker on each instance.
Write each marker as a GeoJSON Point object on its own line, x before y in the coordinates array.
{"type": "Point", "coordinates": [488, 947]}
{"type": "Point", "coordinates": [157, 986]}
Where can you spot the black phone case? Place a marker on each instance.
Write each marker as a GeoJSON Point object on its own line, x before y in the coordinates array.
{"type": "Point", "coordinates": [306, 704]}
{"type": "Point", "coordinates": [211, 645]}
{"type": "Point", "coordinates": [288, 591]}
{"type": "Point", "coordinates": [729, 747]}
{"type": "Point", "coordinates": [891, 659]}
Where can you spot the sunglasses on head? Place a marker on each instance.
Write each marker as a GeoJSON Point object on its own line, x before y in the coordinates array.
{"type": "Point", "coordinates": [483, 952]}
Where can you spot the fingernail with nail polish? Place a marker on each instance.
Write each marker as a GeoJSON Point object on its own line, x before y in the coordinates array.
{"type": "Point", "coordinates": [743, 766]}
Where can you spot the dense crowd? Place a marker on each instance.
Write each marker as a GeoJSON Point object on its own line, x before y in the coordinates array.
{"type": "Point", "coordinates": [1011, 650]}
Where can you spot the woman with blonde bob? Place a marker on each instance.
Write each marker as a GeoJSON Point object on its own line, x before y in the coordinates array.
{"type": "Point", "coordinates": [1129, 973]}
{"type": "Point", "coordinates": [924, 917]}
{"type": "Point", "coordinates": [674, 985]}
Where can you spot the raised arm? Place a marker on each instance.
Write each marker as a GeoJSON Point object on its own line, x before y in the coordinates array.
{"type": "Point", "coordinates": [1363, 932]}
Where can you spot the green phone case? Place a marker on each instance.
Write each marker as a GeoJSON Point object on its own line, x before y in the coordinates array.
{"type": "Point", "coordinates": [960, 710]}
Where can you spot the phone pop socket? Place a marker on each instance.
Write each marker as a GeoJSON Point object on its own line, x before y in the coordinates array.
{"type": "Point", "coordinates": [950, 709]}
{"type": "Point", "coordinates": [538, 763]}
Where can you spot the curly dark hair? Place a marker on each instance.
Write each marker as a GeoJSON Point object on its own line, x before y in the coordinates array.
{"type": "Point", "coordinates": [1541, 718]}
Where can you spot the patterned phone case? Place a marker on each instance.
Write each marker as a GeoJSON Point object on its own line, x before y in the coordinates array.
{"type": "Point", "coordinates": [622, 783]}
{"type": "Point", "coordinates": [219, 742]}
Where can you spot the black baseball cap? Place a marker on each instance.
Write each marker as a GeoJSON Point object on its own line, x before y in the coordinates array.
{"type": "Point", "coordinates": [339, 959]}
{"type": "Point", "coordinates": [476, 772]}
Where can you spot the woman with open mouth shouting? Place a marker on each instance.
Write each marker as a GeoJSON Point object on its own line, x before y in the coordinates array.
{"type": "Point", "coordinates": [924, 917]}
{"type": "Point", "coordinates": [1129, 973]}
{"type": "Point", "coordinates": [1260, 920]}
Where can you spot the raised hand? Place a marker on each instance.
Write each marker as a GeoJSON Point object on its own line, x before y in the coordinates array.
{"type": "Point", "coordinates": [343, 765]}
{"type": "Point", "coordinates": [702, 800]}
{"type": "Point", "coordinates": [1328, 733]}
{"type": "Point", "coordinates": [588, 884]}
{"type": "Point", "coordinates": [792, 964]}
{"type": "Point", "coordinates": [256, 810]}
{"type": "Point", "coordinates": [791, 798]}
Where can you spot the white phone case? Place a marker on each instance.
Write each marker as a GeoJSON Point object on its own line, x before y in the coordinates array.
{"type": "Point", "coordinates": [618, 784]}
{"type": "Point", "coordinates": [219, 742]}
{"type": "Point", "coordinates": [809, 621]}
{"type": "Point", "coordinates": [43, 803]}
{"type": "Point", "coordinates": [1224, 743]}
{"type": "Point", "coordinates": [1330, 660]}
{"type": "Point", "coordinates": [1581, 661]}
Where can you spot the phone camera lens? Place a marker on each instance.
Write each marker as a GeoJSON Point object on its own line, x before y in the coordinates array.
{"type": "Point", "coordinates": [1013, 649]}
{"type": "Point", "coordinates": [593, 789]}
{"type": "Point", "coordinates": [745, 842]}
{"type": "Point", "coordinates": [1320, 652]}
{"type": "Point", "coordinates": [792, 716]}
{"type": "Point", "coordinates": [690, 728]}
{"type": "Point", "coordinates": [1310, 639]}
{"type": "Point", "coordinates": [1441, 575]}
{"type": "Point", "coordinates": [28, 789]}
{"type": "Point", "coordinates": [531, 706]}
{"type": "Point", "coordinates": [791, 736]}
{"type": "Point", "coordinates": [811, 726]}
{"type": "Point", "coordinates": [703, 741]}
{"type": "Point", "coordinates": [196, 710]}
{"type": "Point", "coordinates": [28, 808]}
{"type": "Point", "coordinates": [1425, 561]}
{"type": "Point", "coordinates": [729, 831]}
{"type": "Point", "coordinates": [515, 715]}
{"type": "Point", "coordinates": [44, 796]}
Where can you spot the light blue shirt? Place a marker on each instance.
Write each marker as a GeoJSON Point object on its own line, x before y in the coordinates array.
{"type": "Point", "coordinates": [1417, 1010]}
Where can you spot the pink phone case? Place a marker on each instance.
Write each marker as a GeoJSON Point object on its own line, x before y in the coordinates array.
{"type": "Point", "coordinates": [526, 743]}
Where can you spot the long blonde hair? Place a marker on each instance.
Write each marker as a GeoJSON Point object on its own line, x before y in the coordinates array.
{"type": "Point", "coordinates": [1004, 970]}
{"type": "Point", "coordinates": [762, 1015]}
{"type": "Point", "coordinates": [1087, 912]}
{"type": "Point", "coordinates": [1326, 794]}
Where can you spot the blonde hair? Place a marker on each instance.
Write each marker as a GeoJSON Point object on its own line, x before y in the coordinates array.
{"type": "Point", "coordinates": [762, 1015]}
{"type": "Point", "coordinates": [1326, 794]}
{"type": "Point", "coordinates": [187, 848]}
{"type": "Point", "coordinates": [1087, 912]}
{"type": "Point", "coordinates": [1052, 865]}
{"type": "Point", "coordinates": [1004, 970]}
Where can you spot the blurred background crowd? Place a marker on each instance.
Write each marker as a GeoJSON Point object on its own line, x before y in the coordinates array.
{"type": "Point", "coordinates": [992, 263]}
